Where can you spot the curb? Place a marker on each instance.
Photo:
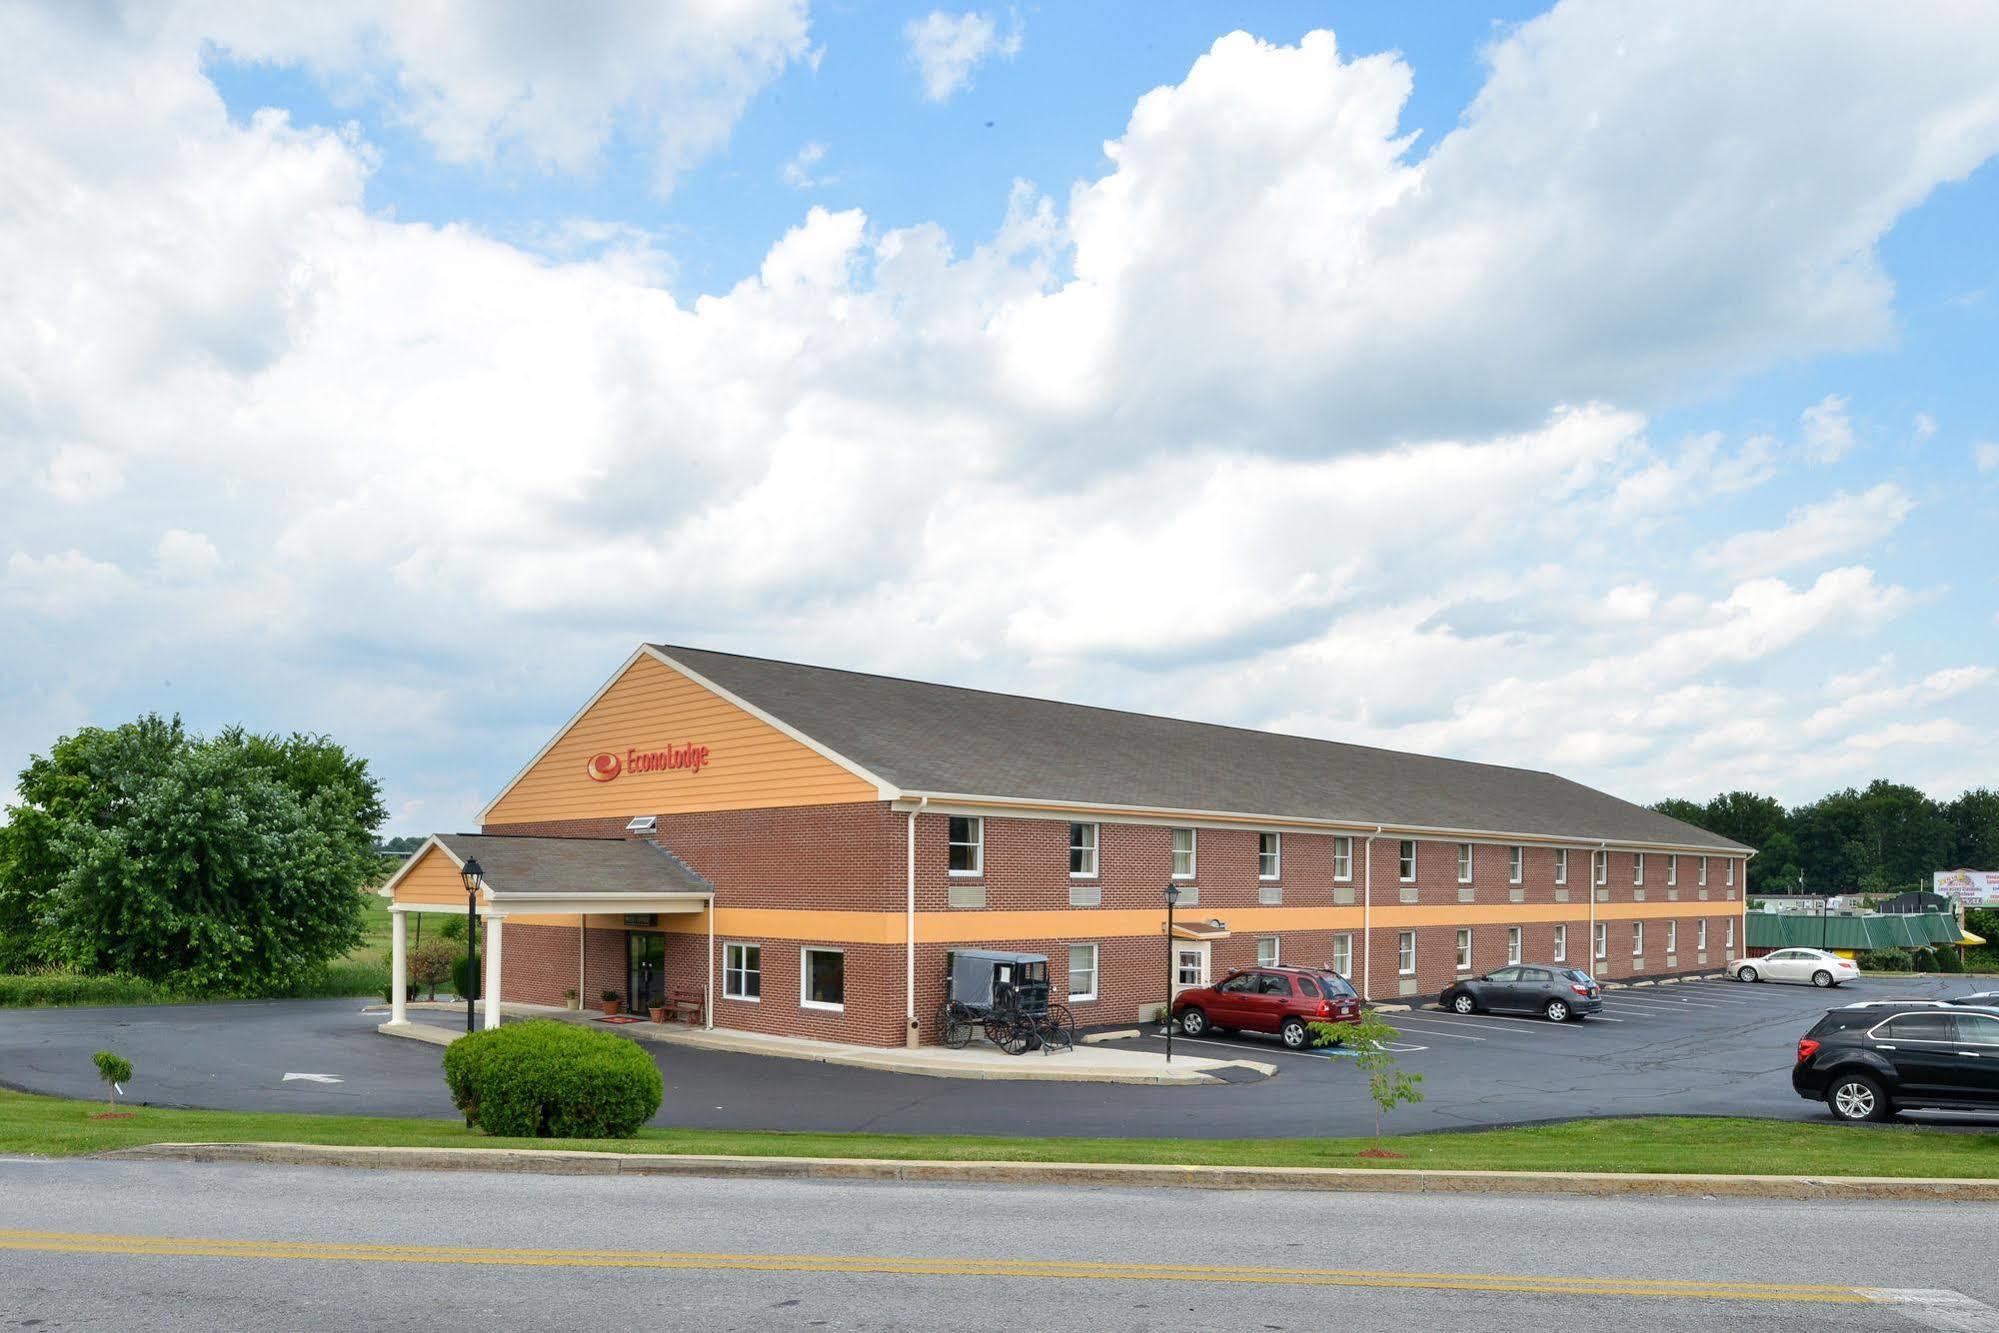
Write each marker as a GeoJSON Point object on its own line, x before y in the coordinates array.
{"type": "Point", "coordinates": [1384, 1180]}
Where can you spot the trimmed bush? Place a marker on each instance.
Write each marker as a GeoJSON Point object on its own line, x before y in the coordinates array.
{"type": "Point", "coordinates": [464, 980]}
{"type": "Point", "coordinates": [549, 1080]}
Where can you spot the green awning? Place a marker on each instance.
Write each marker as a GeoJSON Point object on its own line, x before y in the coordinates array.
{"type": "Point", "coordinates": [1874, 930]}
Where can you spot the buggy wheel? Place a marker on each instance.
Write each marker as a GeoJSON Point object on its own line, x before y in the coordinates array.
{"type": "Point", "coordinates": [954, 1025]}
{"type": "Point", "coordinates": [1016, 1036]}
{"type": "Point", "coordinates": [1058, 1030]}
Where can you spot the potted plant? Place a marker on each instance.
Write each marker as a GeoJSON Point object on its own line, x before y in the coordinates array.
{"type": "Point", "coordinates": [609, 1002]}
{"type": "Point", "coordinates": [657, 1011]}
{"type": "Point", "coordinates": [570, 1000]}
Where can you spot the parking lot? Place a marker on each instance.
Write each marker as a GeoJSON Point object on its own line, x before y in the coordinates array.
{"type": "Point", "coordinates": [1708, 1048]}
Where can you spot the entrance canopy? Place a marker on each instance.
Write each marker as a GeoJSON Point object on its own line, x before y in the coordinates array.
{"type": "Point", "coordinates": [529, 876]}
{"type": "Point", "coordinates": [1212, 929]}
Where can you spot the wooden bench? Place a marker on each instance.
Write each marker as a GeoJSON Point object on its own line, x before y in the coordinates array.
{"type": "Point", "coordinates": [686, 1004]}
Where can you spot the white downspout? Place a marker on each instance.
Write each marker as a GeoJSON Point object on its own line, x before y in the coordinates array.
{"type": "Point", "coordinates": [912, 1030]}
{"type": "Point", "coordinates": [1603, 850]}
{"type": "Point", "coordinates": [1367, 921]}
{"type": "Point", "coordinates": [708, 1009]}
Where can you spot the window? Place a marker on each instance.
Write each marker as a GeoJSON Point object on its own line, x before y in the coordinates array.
{"type": "Point", "coordinates": [967, 838]}
{"type": "Point", "coordinates": [1728, 939]}
{"type": "Point", "coordinates": [1407, 865]}
{"type": "Point", "coordinates": [1307, 988]}
{"type": "Point", "coordinates": [1342, 857]}
{"type": "Point", "coordinates": [1464, 949]}
{"type": "Point", "coordinates": [1918, 1027]}
{"type": "Point", "coordinates": [1464, 863]}
{"type": "Point", "coordinates": [1638, 867]}
{"type": "Point", "coordinates": [1703, 872]}
{"type": "Point", "coordinates": [822, 979]}
{"type": "Point", "coordinates": [1731, 872]}
{"type": "Point", "coordinates": [1191, 966]}
{"type": "Point", "coordinates": [1561, 865]}
{"type": "Point", "coordinates": [1082, 972]}
{"type": "Point", "coordinates": [1637, 938]}
{"type": "Point", "coordinates": [1513, 944]}
{"type": "Point", "coordinates": [1672, 938]}
{"type": "Point", "coordinates": [1083, 850]}
{"type": "Point", "coordinates": [1672, 871]}
{"type": "Point", "coordinates": [1561, 944]}
{"type": "Point", "coordinates": [1516, 865]}
{"type": "Point", "coordinates": [1405, 952]}
{"type": "Point", "coordinates": [1270, 983]}
{"type": "Point", "coordinates": [742, 972]}
{"type": "Point", "coordinates": [1183, 853]}
{"type": "Point", "coordinates": [1267, 855]}
{"type": "Point", "coordinates": [1243, 983]}
{"type": "Point", "coordinates": [1600, 866]}
{"type": "Point", "coordinates": [1343, 955]}
{"type": "Point", "coordinates": [1700, 935]}
{"type": "Point", "coordinates": [1266, 952]}
{"type": "Point", "coordinates": [1978, 1030]}
{"type": "Point", "coordinates": [1602, 940]}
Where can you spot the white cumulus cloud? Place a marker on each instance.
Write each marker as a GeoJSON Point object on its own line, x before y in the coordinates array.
{"type": "Point", "coordinates": [946, 48]}
{"type": "Point", "coordinates": [1815, 533]}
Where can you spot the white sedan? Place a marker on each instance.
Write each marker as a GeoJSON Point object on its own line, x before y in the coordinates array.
{"type": "Point", "coordinates": [1813, 965]}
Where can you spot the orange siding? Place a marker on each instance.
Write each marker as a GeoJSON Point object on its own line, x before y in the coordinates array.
{"type": "Point", "coordinates": [750, 763]}
{"type": "Point", "coordinates": [432, 880]}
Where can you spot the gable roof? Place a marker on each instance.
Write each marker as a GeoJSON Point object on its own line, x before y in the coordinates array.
{"type": "Point", "coordinates": [949, 741]}
{"type": "Point", "coordinates": [583, 867]}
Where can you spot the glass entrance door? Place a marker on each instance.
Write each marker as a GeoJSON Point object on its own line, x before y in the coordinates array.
{"type": "Point", "coordinates": [645, 984]}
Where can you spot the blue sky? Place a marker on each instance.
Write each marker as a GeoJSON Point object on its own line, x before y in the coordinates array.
{"type": "Point", "coordinates": [1603, 388]}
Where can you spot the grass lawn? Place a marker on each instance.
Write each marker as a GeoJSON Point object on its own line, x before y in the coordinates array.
{"type": "Point", "coordinates": [55, 1127]}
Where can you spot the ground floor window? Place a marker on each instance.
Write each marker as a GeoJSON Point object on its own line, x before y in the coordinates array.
{"type": "Point", "coordinates": [1343, 955]}
{"type": "Point", "coordinates": [1700, 935]}
{"type": "Point", "coordinates": [1513, 944]}
{"type": "Point", "coordinates": [742, 972]}
{"type": "Point", "coordinates": [823, 979]}
{"type": "Point", "coordinates": [1561, 944]}
{"type": "Point", "coordinates": [1082, 972]}
{"type": "Point", "coordinates": [1602, 940]}
{"type": "Point", "coordinates": [1405, 952]}
{"type": "Point", "coordinates": [1672, 937]}
{"type": "Point", "coordinates": [1464, 950]}
{"type": "Point", "coordinates": [1637, 938]}
{"type": "Point", "coordinates": [1729, 925]}
{"type": "Point", "coordinates": [1266, 952]}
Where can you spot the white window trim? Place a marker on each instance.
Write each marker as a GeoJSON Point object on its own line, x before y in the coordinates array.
{"type": "Point", "coordinates": [742, 944]}
{"type": "Point", "coordinates": [1096, 841]}
{"type": "Point", "coordinates": [1703, 883]}
{"type": "Point", "coordinates": [1602, 941]}
{"type": "Point", "coordinates": [1338, 876]}
{"type": "Point", "coordinates": [1731, 871]}
{"type": "Point", "coordinates": [1409, 878]}
{"type": "Point", "coordinates": [1700, 936]}
{"type": "Point", "coordinates": [1516, 865]}
{"type": "Point", "coordinates": [977, 844]}
{"type": "Point", "coordinates": [1467, 857]}
{"type": "Point", "coordinates": [1599, 864]}
{"type": "Point", "coordinates": [1193, 852]}
{"type": "Point", "coordinates": [1462, 952]}
{"type": "Point", "coordinates": [1277, 856]}
{"type": "Point", "coordinates": [1638, 939]}
{"type": "Point", "coordinates": [1561, 943]}
{"type": "Point", "coordinates": [1561, 865]}
{"type": "Point", "coordinates": [1729, 943]}
{"type": "Point", "coordinates": [1637, 869]}
{"type": "Point", "coordinates": [805, 979]}
{"type": "Point", "coordinates": [1410, 969]}
{"type": "Point", "coordinates": [1514, 946]}
{"type": "Point", "coordinates": [1348, 937]}
{"type": "Point", "coordinates": [1672, 938]}
{"type": "Point", "coordinates": [1096, 972]}
{"type": "Point", "coordinates": [1672, 870]}
{"type": "Point", "coordinates": [1276, 951]}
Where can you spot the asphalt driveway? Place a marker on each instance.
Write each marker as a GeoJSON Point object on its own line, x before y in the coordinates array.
{"type": "Point", "coordinates": [1710, 1049]}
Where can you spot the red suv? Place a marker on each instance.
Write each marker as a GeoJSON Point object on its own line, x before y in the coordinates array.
{"type": "Point", "coordinates": [1283, 1000]}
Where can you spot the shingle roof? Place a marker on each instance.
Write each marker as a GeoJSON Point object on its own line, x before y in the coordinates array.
{"type": "Point", "coordinates": [576, 866]}
{"type": "Point", "coordinates": [944, 739]}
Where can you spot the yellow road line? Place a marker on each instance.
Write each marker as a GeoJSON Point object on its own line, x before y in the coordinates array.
{"type": "Point", "coordinates": [57, 1242]}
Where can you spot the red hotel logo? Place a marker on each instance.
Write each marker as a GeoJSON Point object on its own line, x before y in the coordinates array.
{"type": "Point", "coordinates": [605, 766]}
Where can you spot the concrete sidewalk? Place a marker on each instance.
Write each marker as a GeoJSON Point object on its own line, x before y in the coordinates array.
{"type": "Point", "coordinates": [1083, 1064]}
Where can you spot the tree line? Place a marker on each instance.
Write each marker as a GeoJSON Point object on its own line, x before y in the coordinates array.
{"type": "Point", "coordinates": [1884, 838]}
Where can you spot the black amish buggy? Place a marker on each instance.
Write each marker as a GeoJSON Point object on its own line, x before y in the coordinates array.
{"type": "Point", "coordinates": [1005, 995]}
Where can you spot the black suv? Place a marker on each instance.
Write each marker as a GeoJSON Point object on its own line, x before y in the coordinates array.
{"type": "Point", "coordinates": [1868, 1061]}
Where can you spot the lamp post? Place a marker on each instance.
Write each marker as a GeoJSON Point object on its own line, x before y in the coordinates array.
{"type": "Point", "coordinates": [1172, 896]}
{"type": "Point", "coordinates": [470, 874]}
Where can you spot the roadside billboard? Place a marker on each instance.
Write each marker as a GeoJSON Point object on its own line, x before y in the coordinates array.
{"type": "Point", "coordinates": [1971, 888]}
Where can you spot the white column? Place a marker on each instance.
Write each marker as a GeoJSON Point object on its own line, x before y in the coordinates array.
{"type": "Point", "coordinates": [493, 970]}
{"type": "Point", "coordinates": [399, 968]}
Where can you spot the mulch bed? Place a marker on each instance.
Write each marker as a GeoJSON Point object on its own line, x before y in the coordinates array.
{"type": "Point", "coordinates": [620, 1018]}
{"type": "Point", "coordinates": [1380, 1153]}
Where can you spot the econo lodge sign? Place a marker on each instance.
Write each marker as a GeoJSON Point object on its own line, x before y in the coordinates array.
{"type": "Point", "coordinates": [605, 766]}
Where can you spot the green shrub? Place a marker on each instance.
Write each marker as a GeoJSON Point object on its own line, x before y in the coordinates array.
{"type": "Point", "coordinates": [463, 983]}
{"type": "Point", "coordinates": [1885, 960]}
{"type": "Point", "coordinates": [544, 1079]}
{"type": "Point", "coordinates": [1948, 961]}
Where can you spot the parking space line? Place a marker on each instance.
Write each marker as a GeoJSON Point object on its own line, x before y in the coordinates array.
{"type": "Point", "coordinates": [1498, 1022]}
{"type": "Point", "coordinates": [1673, 1002]}
{"type": "Point", "coordinates": [1436, 1031]}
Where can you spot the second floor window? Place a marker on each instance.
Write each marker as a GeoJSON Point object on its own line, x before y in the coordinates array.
{"type": "Point", "coordinates": [1672, 871]}
{"type": "Point", "coordinates": [1516, 865]}
{"type": "Point", "coordinates": [1561, 865]}
{"type": "Point", "coordinates": [1268, 849]}
{"type": "Point", "coordinates": [1703, 872]}
{"type": "Point", "coordinates": [1464, 863]}
{"type": "Point", "coordinates": [1083, 849]}
{"type": "Point", "coordinates": [1407, 862]}
{"type": "Point", "coordinates": [1600, 863]}
{"type": "Point", "coordinates": [1342, 858]}
{"type": "Point", "coordinates": [1638, 868]}
{"type": "Point", "coordinates": [967, 840]}
{"type": "Point", "coordinates": [1183, 853]}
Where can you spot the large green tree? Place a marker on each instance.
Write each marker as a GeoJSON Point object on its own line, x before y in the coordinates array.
{"type": "Point", "coordinates": [1974, 824]}
{"type": "Point", "coordinates": [232, 862]}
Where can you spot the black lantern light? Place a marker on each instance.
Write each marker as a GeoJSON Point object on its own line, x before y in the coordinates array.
{"type": "Point", "coordinates": [470, 873]}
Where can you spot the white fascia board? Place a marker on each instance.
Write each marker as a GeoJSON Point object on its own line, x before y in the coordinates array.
{"type": "Point", "coordinates": [562, 731]}
{"type": "Point", "coordinates": [958, 803]}
{"type": "Point", "coordinates": [884, 789]}
{"type": "Point", "coordinates": [388, 889]}
{"type": "Point", "coordinates": [598, 904]}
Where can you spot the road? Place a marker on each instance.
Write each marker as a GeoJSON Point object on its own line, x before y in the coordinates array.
{"type": "Point", "coordinates": [158, 1245]}
{"type": "Point", "coordinates": [1716, 1049]}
